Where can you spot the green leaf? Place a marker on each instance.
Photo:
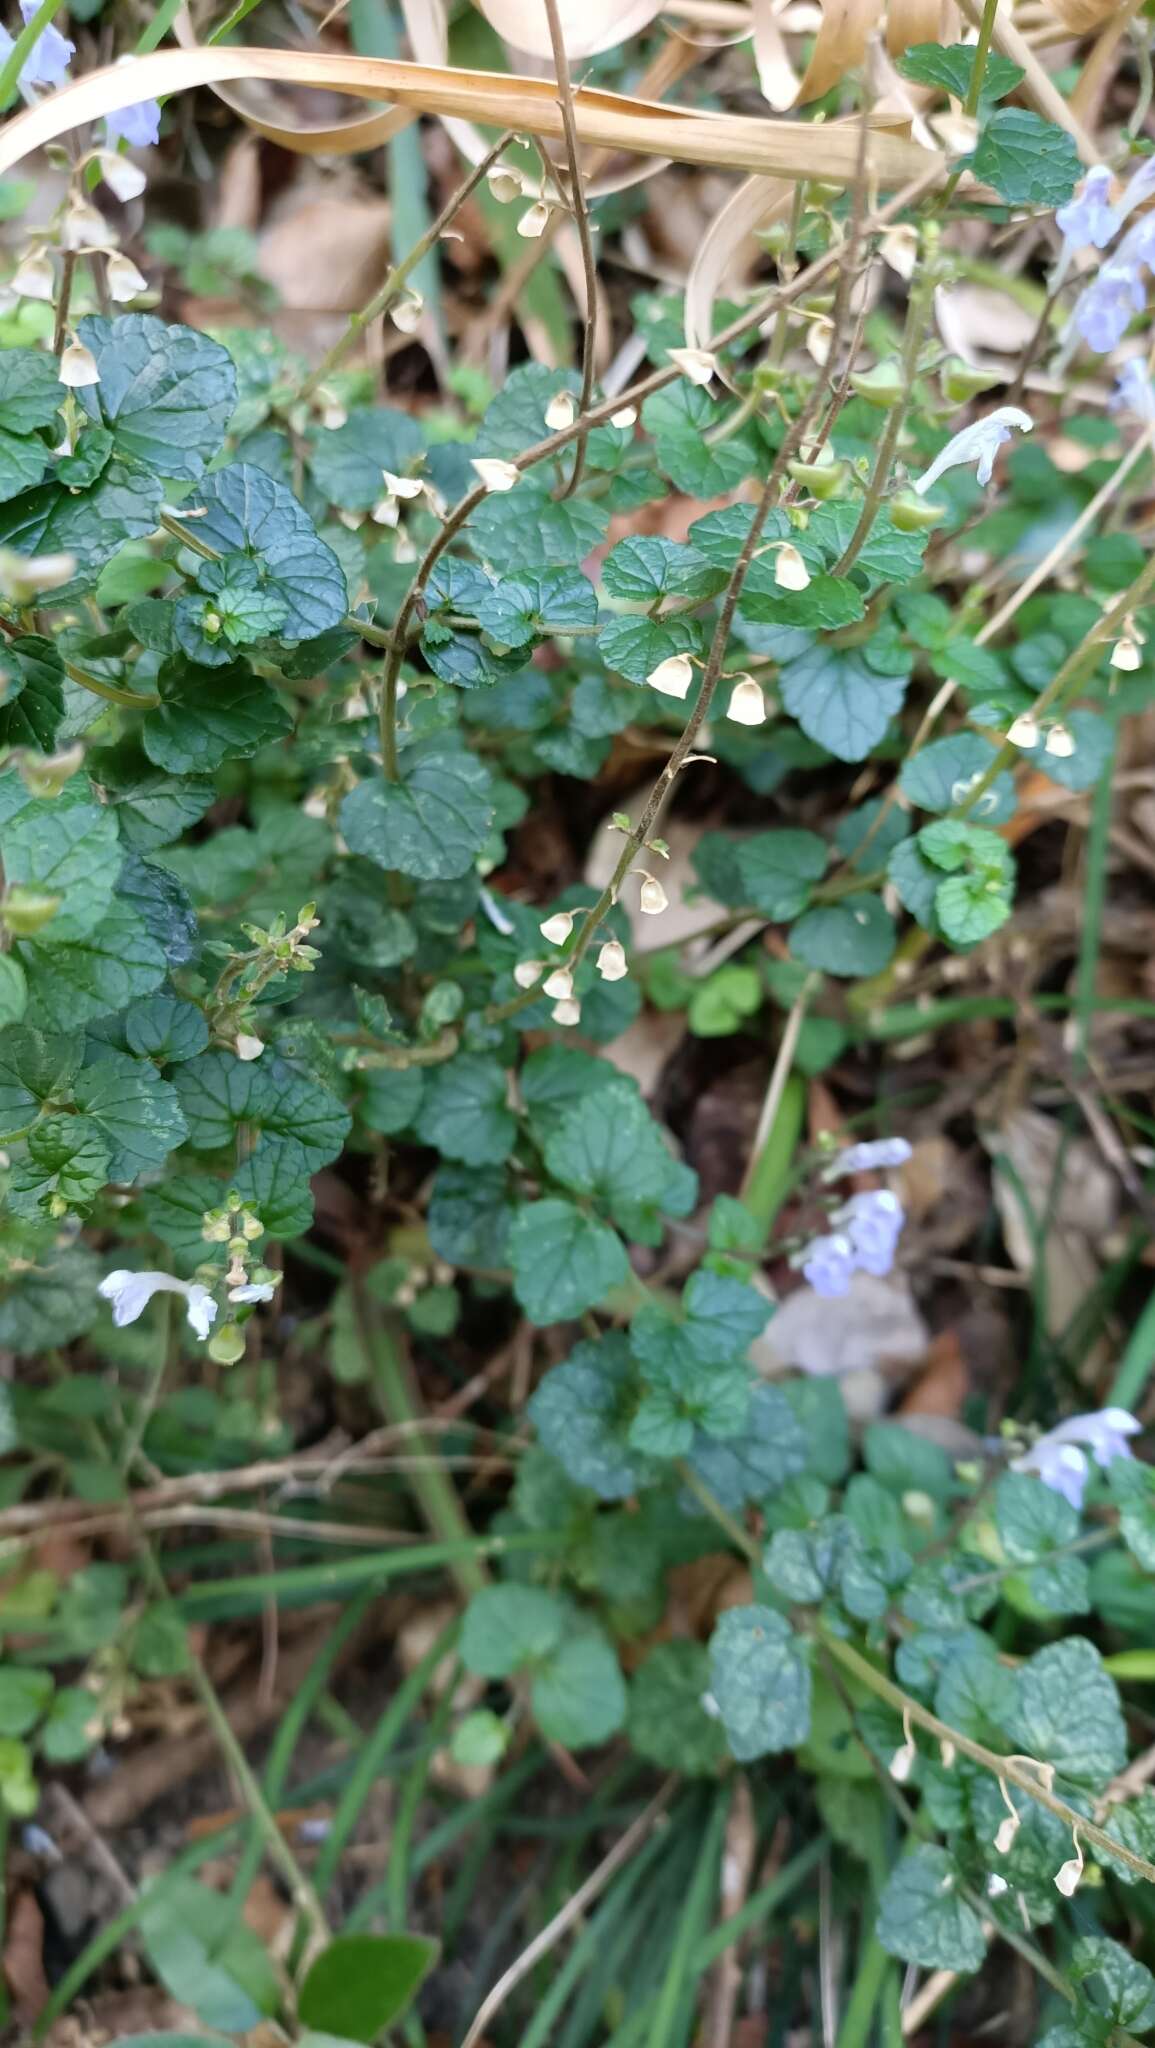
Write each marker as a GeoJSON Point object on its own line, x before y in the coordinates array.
{"type": "Point", "coordinates": [579, 1695]}
{"type": "Point", "coordinates": [274, 1179]}
{"type": "Point", "coordinates": [916, 881]}
{"type": "Point", "coordinates": [137, 1114]}
{"type": "Point", "coordinates": [431, 825]}
{"type": "Point", "coordinates": [852, 938]}
{"type": "Point", "coordinates": [392, 1098]}
{"type": "Point", "coordinates": [760, 1681]}
{"type": "Point", "coordinates": [1068, 1712]}
{"type": "Point", "coordinates": [578, 1411]}
{"type": "Point", "coordinates": [721, 1317]}
{"type": "Point", "coordinates": [1134, 1826]}
{"type": "Point", "coordinates": [1119, 1987]}
{"type": "Point", "coordinates": [839, 700]}
{"type": "Point", "coordinates": [507, 1626]}
{"type": "Point", "coordinates": [205, 718]}
{"type": "Point", "coordinates": [827, 601]}
{"type": "Point", "coordinates": [527, 529]}
{"type": "Point", "coordinates": [68, 1732]}
{"type": "Point", "coordinates": [633, 646]}
{"type": "Point", "coordinates": [123, 504]}
{"type": "Point", "coordinates": [940, 775]}
{"type": "Point", "coordinates": [13, 991]}
{"type": "Point", "coordinates": [771, 1449]}
{"type": "Point", "coordinates": [563, 1262]}
{"type": "Point", "coordinates": [35, 1069]}
{"type": "Point", "coordinates": [360, 1983]}
{"type": "Point", "coordinates": [646, 567]}
{"type": "Point", "coordinates": [244, 511]}
{"type": "Point", "coordinates": [347, 461]}
{"type": "Point", "coordinates": [66, 1166]}
{"type": "Point", "coordinates": [720, 1005]}
{"type": "Point", "coordinates": [24, 1695]}
{"type": "Point", "coordinates": [23, 461]}
{"type": "Point", "coordinates": [31, 393]}
{"type": "Point", "coordinates": [906, 1462]}
{"type": "Point", "coordinates": [668, 1724]}
{"type": "Point", "coordinates": [662, 1426]}
{"type": "Point", "coordinates": [69, 852]}
{"type": "Point", "coordinates": [1033, 1520]}
{"type": "Point", "coordinates": [33, 699]}
{"type": "Point", "coordinates": [469, 1217]}
{"type": "Point", "coordinates": [464, 1114]}
{"type": "Point", "coordinates": [206, 1957]}
{"type": "Point", "coordinates": [218, 1093]}
{"type": "Point", "coordinates": [103, 971]}
{"type": "Point", "coordinates": [519, 609]}
{"type": "Point", "coordinates": [166, 1029]}
{"type": "Point", "coordinates": [887, 556]}
{"type": "Point", "coordinates": [775, 870]}
{"type": "Point", "coordinates": [679, 418]}
{"type": "Point", "coordinates": [166, 393]}
{"type": "Point", "coordinates": [953, 68]}
{"type": "Point", "coordinates": [1133, 1490]}
{"type": "Point", "coordinates": [610, 1148]}
{"type": "Point", "coordinates": [923, 1920]}
{"type": "Point", "coordinates": [1028, 160]}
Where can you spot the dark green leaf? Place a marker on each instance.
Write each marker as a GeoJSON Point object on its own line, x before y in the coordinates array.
{"type": "Point", "coordinates": [952, 68]}
{"type": "Point", "coordinates": [839, 700]}
{"type": "Point", "coordinates": [464, 1114]}
{"type": "Point", "coordinates": [578, 1410]}
{"type": "Point", "coordinates": [361, 1983]}
{"type": "Point", "coordinates": [204, 719]}
{"type": "Point", "coordinates": [760, 1681]}
{"type": "Point", "coordinates": [579, 1695]}
{"type": "Point", "coordinates": [431, 825]}
{"type": "Point", "coordinates": [563, 1261]}
{"type": "Point", "coordinates": [507, 1626]}
{"type": "Point", "coordinates": [852, 938]}
{"type": "Point", "coordinates": [922, 1919]}
{"type": "Point", "coordinates": [166, 393]}
{"type": "Point", "coordinates": [1027, 159]}
{"type": "Point", "coordinates": [243, 511]}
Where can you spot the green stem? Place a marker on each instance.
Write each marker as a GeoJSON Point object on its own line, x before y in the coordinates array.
{"type": "Point", "coordinates": [1094, 893]}
{"type": "Point", "coordinates": [1133, 1376]}
{"type": "Point", "coordinates": [769, 1175]}
{"type": "Point", "coordinates": [338, 1578]}
{"type": "Point", "coordinates": [982, 52]}
{"type": "Point", "coordinates": [29, 35]}
{"type": "Point", "coordinates": [873, 1968]}
{"type": "Point", "coordinates": [917, 314]}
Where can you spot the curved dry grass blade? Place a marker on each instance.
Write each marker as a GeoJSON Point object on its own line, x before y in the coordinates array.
{"type": "Point", "coordinates": [777, 148]}
{"type": "Point", "coordinates": [839, 46]}
{"type": "Point", "coordinates": [1083, 15]}
{"type": "Point", "coordinates": [588, 26]}
{"type": "Point", "coordinates": [776, 74]}
{"type": "Point", "coordinates": [755, 202]}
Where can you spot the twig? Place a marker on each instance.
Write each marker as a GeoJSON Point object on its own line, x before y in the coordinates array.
{"type": "Point", "coordinates": [780, 1074]}
{"type": "Point", "coordinates": [585, 237]}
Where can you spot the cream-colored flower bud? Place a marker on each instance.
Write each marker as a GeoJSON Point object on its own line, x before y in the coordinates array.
{"type": "Point", "coordinates": [125, 281]}
{"type": "Point", "coordinates": [612, 963]}
{"type": "Point", "coordinates": [34, 277]}
{"type": "Point", "coordinates": [568, 1011]}
{"type": "Point", "coordinates": [406, 313]}
{"type": "Point", "coordinates": [1024, 731]}
{"type": "Point", "coordinates": [1124, 654]}
{"type": "Point", "coordinates": [534, 221]}
{"type": "Point", "coordinates": [78, 366]}
{"type": "Point", "coordinates": [561, 412]}
{"type": "Point", "coordinates": [495, 474]}
{"type": "Point", "coordinates": [557, 928]}
{"type": "Point", "coordinates": [625, 416]}
{"type": "Point", "coordinates": [124, 179]}
{"type": "Point", "coordinates": [248, 1046]}
{"type": "Point", "coordinates": [386, 512]}
{"type": "Point", "coordinates": [402, 486]}
{"type": "Point", "coordinates": [697, 365]}
{"type": "Point", "coordinates": [652, 898]}
{"type": "Point", "coordinates": [1067, 1877]}
{"type": "Point", "coordinates": [504, 184]}
{"type": "Point", "coordinates": [84, 227]}
{"type": "Point", "coordinates": [1060, 742]}
{"type": "Point", "coordinates": [673, 676]}
{"type": "Point", "coordinates": [790, 571]}
{"type": "Point", "coordinates": [747, 704]}
{"type": "Point", "coordinates": [528, 972]}
{"type": "Point", "coordinates": [558, 984]}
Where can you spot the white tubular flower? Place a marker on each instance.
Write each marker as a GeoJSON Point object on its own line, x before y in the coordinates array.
{"type": "Point", "coordinates": [673, 676]}
{"type": "Point", "coordinates": [35, 277]}
{"type": "Point", "coordinates": [559, 984]}
{"type": "Point", "coordinates": [78, 366]}
{"type": "Point", "coordinates": [495, 474]}
{"type": "Point", "coordinates": [534, 221]}
{"type": "Point", "coordinates": [254, 1290]}
{"type": "Point", "coordinates": [568, 1011]}
{"type": "Point", "coordinates": [996, 1885]}
{"type": "Point", "coordinates": [561, 411]}
{"type": "Point", "coordinates": [504, 185]}
{"type": "Point", "coordinates": [130, 1293]}
{"type": "Point", "coordinates": [1125, 655]}
{"type": "Point", "coordinates": [558, 927]}
{"type": "Point", "coordinates": [1024, 731]}
{"type": "Point", "coordinates": [978, 443]}
{"type": "Point", "coordinates": [85, 227]}
{"type": "Point", "coordinates": [790, 571]}
{"type": "Point", "coordinates": [406, 314]}
{"type": "Point", "coordinates": [652, 898]}
{"type": "Point", "coordinates": [747, 705]}
{"type": "Point", "coordinates": [612, 964]}
{"type": "Point", "coordinates": [125, 281]}
{"type": "Point", "coordinates": [1060, 741]}
{"type": "Point", "coordinates": [625, 416]}
{"type": "Point", "coordinates": [402, 486]}
{"type": "Point", "coordinates": [698, 365]}
{"type": "Point", "coordinates": [527, 972]}
{"type": "Point", "coordinates": [125, 180]}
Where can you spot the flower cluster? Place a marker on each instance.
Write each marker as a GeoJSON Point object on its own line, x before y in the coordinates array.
{"type": "Point", "coordinates": [1117, 292]}
{"type": "Point", "coordinates": [864, 1240]}
{"type": "Point", "coordinates": [47, 65]}
{"type": "Point", "coordinates": [1060, 1460]}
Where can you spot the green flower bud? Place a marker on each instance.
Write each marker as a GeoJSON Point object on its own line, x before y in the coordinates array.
{"type": "Point", "coordinates": [881, 386]}
{"type": "Point", "coordinates": [912, 514]}
{"type": "Point", "coordinates": [227, 1345]}
{"type": "Point", "coordinates": [961, 381]}
{"type": "Point", "coordinates": [26, 911]}
{"type": "Point", "coordinates": [821, 479]}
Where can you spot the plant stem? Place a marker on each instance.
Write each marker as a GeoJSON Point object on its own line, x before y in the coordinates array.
{"type": "Point", "coordinates": [917, 312]}
{"type": "Point", "coordinates": [982, 52]}
{"type": "Point", "coordinates": [64, 302]}
{"type": "Point", "coordinates": [585, 237]}
{"type": "Point", "coordinates": [778, 1079]}
{"type": "Point", "coordinates": [397, 276]}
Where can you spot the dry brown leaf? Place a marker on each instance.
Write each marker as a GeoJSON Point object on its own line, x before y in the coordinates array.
{"type": "Point", "coordinates": [776, 74]}
{"type": "Point", "coordinates": [874, 1325]}
{"type": "Point", "coordinates": [1081, 15]}
{"type": "Point", "coordinates": [839, 46]}
{"type": "Point", "coordinates": [24, 1957]}
{"type": "Point", "coordinates": [327, 253]}
{"type": "Point", "coordinates": [587, 26]}
{"type": "Point", "coordinates": [755, 203]}
{"type": "Point", "coordinates": [942, 1387]}
{"type": "Point", "coordinates": [1056, 1186]}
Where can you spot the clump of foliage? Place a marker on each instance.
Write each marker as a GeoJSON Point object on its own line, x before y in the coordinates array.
{"type": "Point", "coordinates": [285, 669]}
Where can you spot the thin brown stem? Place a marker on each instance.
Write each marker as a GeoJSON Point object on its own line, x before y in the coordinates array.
{"type": "Point", "coordinates": [585, 236]}
{"type": "Point", "coordinates": [64, 302]}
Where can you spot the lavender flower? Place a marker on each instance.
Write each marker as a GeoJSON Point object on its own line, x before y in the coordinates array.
{"type": "Point", "coordinates": [1134, 391]}
{"type": "Point", "coordinates": [1060, 1461]}
{"type": "Point", "coordinates": [873, 1223]}
{"type": "Point", "coordinates": [873, 1155]}
{"type": "Point", "coordinates": [139, 125]}
{"type": "Point", "coordinates": [130, 1294]}
{"type": "Point", "coordinates": [829, 1263]}
{"type": "Point", "coordinates": [47, 61]}
{"type": "Point", "coordinates": [1140, 185]}
{"type": "Point", "coordinates": [979, 443]}
{"type": "Point", "coordinates": [1105, 310]}
{"type": "Point", "coordinates": [1089, 221]}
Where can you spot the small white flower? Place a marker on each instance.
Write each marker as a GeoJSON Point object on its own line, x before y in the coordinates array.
{"type": "Point", "coordinates": [406, 314]}
{"type": "Point", "coordinates": [386, 512]}
{"type": "Point", "coordinates": [78, 366]}
{"type": "Point", "coordinates": [612, 963]}
{"type": "Point", "coordinates": [625, 416]}
{"type": "Point", "coordinates": [125, 180]}
{"type": "Point", "coordinates": [947, 1753]}
{"type": "Point", "coordinates": [1007, 1830]}
{"type": "Point", "coordinates": [996, 1885]}
{"type": "Point", "coordinates": [568, 1011]}
{"type": "Point", "coordinates": [790, 571]}
{"type": "Point", "coordinates": [504, 184]}
{"type": "Point", "coordinates": [1125, 655]}
{"type": "Point", "coordinates": [1067, 1877]}
{"type": "Point", "coordinates": [698, 365]}
{"type": "Point", "coordinates": [402, 486]}
{"type": "Point", "coordinates": [673, 676]}
{"type": "Point", "coordinates": [527, 972]}
{"type": "Point", "coordinates": [747, 705]}
{"type": "Point", "coordinates": [902, 1763]}
{"type": "Point", "coordinates": [534, 221]}
{"type": "Point", "coordinates": [1060, 741]}
{"type": "Point", "coordinates": [559, 984]}
{"type": "Point", "coordinates": [130, 1294]}
{"type": "Point", "coordinates": [248, 1046]}
{"type": "Point", "coordinates": [254, 1290]}
{"type": "Point", "coordinates": [557, 928]}
{"type": "Point", "coordinates": [561, 411]}
{"type": "Point", "coordinates": [1024, 731]}
{"type": "Point", "coordinates": [84, 227]}
{"type": "Point", "coordinates": [495, 474]}
{"type": "Point", "coordinates": [333, 416]}
{"type": "Point", "coordinates": [870, 1156]}
{"type": "Point", "coordinates": [23, 577]}
{"type": "Point", "coordinates": [35, 277]}
{"type": "Point", "coordinates": [652, 898]}
{"type": "Point", "coordinates": [125, 281]}
{"type": "Point", "coordinates": [979, 443]}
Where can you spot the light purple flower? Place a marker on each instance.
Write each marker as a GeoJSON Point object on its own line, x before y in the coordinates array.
{"type": "Point", "coordinates": [1140, 186]}
{"type": "Point", "coordinates": [828, 1264]}
{"type": "Point", "coordinates": [1107, 307]}
{"type": "Point", "coordinates": [1134, 391]}
{"type": "Point", "coordinates": [1138, 244]}
{"type": "Point", "coordinates": [873, 1155]}
{"type": "Point", "coordinates": [979, 443]}
{"type": "Point", "coordinates": [139, 126]}
{"type": "Point", "coordinates": [1089, 221]}
{"type": "Point", "coordinates": [1060, 1461]}
{"type": "Point", "coordinates": [48, 59]}
{"type": "Point", "coordinates": [873, 1223]}
{"type": "Point", "coordinates": [130, 1294]}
